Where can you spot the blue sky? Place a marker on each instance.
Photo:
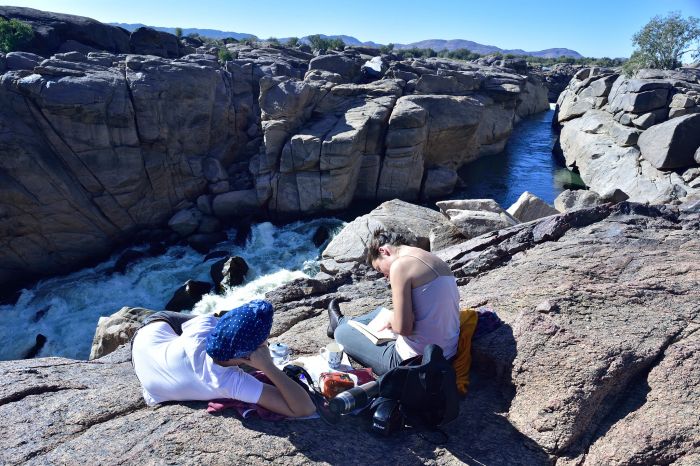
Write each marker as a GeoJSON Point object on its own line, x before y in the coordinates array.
{"type": "Point", "coordinates": [593, 27]}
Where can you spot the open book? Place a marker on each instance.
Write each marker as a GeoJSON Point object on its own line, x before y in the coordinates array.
{"type": "Point", "coordinates": [371, 330]}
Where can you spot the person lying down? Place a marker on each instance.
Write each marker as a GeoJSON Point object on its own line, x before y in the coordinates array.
{"type": "Point", "coordinates": [180, 357]}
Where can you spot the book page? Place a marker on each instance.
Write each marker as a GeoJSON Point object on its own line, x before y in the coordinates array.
{"type": "Point", "coordinates": [380, 320]}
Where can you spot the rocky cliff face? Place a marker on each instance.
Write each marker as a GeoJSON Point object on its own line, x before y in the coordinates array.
{"type": "Point", "coordinates": [557, 78]}
{"type": "Point", "coordinates": [329, 140]}
{"type": "Point", "coordinates": [597, 362]}
{"type": "Point", "coordinates": [96, 146]}
{"type": "Point", "coordinates": [638, 135]}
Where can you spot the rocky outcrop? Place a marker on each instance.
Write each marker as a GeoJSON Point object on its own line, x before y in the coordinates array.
{"type": "Point", "coordinates": [576, 199]}
{"type": "Point", "coordinates": [597, 362]}
{"type": "Point", "coordinates": [635, 135]}
{"type": "Point", "coordinates": [556, 78]}
{"type": "Point", "coordinates": [529, 207]}
{"type": "Point", "coordinates": [189, 294]}
{"type": "Point", "coordinates": [329, 140]}
{"type": "Point", "coordinates": [105, 144]}
{"type": "Point", "coordinates": [474, 217]}
{"type": "Point", "coordinates": [349, 246]}
{"type": "Point", "coordinates": [102, 146]}
{"type": "Point", "coordinates": [671, 144]}
{"type": "Point", "coordinates": [61, 33]}
{"type": "Point", "coordinates": [117, 329]}
{"type": "Point", "coordinates": [57, 32]}
{"type": "Point", "coordinates": [147, 41]}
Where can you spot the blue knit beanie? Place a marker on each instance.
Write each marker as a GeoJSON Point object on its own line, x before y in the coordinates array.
{"type": "Point", "coordinates": [240, 331]}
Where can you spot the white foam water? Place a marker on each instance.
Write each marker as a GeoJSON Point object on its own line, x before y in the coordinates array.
{"type": "Point", "coordinates": [66, 309]}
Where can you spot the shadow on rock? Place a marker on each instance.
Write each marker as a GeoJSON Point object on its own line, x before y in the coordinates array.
{"type": "Point", "coordinates": [480, 435]}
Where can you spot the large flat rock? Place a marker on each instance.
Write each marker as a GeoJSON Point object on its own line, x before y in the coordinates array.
{"type": "Point", "coordinates": [596, 363]}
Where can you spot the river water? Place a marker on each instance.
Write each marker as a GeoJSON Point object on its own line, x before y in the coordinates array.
{"type": "Point", "coordinates": [526, 164]}
{"type": "Point", "coordinates": [66, 309]}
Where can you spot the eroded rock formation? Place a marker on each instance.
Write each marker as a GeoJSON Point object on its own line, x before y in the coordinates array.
{"type": "Point", "coordinates": [637, 135]}
{"type": "Point", "coordinates": [329, 140]}
{"type": "Point", "coordinates": [58, 32]}
{"type": "Point", "coordinates": [597, 362]}
{"type": "Point", "coordinates": [97, 146]}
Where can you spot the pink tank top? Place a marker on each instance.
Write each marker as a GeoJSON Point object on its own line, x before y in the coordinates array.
{"type": "Point", "coordinates": [436, 311]}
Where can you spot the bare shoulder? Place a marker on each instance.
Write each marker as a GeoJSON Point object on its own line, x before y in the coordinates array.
{"type": "Point", "coordinates": [422, 259]}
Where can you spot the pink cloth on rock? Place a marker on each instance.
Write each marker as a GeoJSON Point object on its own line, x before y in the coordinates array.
{"type": "Point", "coordinates": [243, 408]}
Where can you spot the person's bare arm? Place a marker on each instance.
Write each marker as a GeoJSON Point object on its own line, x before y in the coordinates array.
{"type": "Point", "coordinates": [286, 396]}
{"type": "Point", "coordinates": [403, 320]}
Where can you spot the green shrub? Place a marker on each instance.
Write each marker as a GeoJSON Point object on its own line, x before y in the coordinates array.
{"type": "Point", "coordinates": [459, 54]}
{"type": "Point", "coordinates": [318, 43]}
{"type": "Point", "coordinates": [225, 55]}
{"type": "Point", "coordinates": [14, 34]}
{"type": "Point", "coordinates": [416, 53]}
{"type": "Point", "coordinates": [336, 44]}
{"type": "Point", "coordinates": [385, 49]}
{"type": "Point", "coordinates": [178, 33]}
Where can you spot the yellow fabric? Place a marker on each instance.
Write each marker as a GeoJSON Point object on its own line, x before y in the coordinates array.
{"type": "Point", "coordinates": [463, 360]}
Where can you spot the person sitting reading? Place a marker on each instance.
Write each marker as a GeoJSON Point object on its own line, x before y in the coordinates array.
{"type": "Point", "coordinates": [178, 357]}
{"type": "Point", "coordinates": [425, 302]}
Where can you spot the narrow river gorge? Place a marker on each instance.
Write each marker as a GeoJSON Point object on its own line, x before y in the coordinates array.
{"type": "Point", "coordinates": [65, 309]}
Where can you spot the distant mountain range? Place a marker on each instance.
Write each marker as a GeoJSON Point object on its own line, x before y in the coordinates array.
{"type": "Point", "coordinates": [435, 44]}
{"type": "Point", "coordinates": [211, 33]}
{"type": "Point", "coordinates": [441, 44]}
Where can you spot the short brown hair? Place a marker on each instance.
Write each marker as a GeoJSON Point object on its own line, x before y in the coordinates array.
{"type": "Point", "coordinates": [382, 237]}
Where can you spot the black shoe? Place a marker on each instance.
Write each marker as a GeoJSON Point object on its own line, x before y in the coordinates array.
{"type": "Point", "coordinates": [334, 316]}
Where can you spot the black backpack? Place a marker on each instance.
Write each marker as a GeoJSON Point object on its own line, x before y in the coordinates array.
{"type": "Point", "coordinates": [425, 388]}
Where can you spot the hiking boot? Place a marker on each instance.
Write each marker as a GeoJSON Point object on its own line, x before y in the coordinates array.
{"type": "Point", "coordinates": [334, 316]}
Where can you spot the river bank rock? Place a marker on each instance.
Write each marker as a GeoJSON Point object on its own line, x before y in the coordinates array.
{"type": "Point", "coordinates": [529, 207]}
{"type": "Point", "coordinates": [673, 143]}
{"type": "Point", "coordinates": [605, 372]}
{"type": "Point", "coordinates": [576, 199]}
{"type": "Point", "coordinates": [328, 144]}
{"type": "Point", "coordinates": [637, 135]}
{"type": "Point", "coordinates": [116, 330]}
{"type": "Point", "coordinates": [77, 183]}
{"type": "Point", "coordinates": [474, 217]}
{"type": "Point", "coordinates": [556, 78]}
{"type": "Point", "coordinates": [350, 245]}
{"type": "Point", "coordinates": [189, 294]}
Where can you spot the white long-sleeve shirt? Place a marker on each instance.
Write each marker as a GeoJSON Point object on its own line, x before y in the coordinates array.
{"type": "Point", "coordinates": [175, 367]}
